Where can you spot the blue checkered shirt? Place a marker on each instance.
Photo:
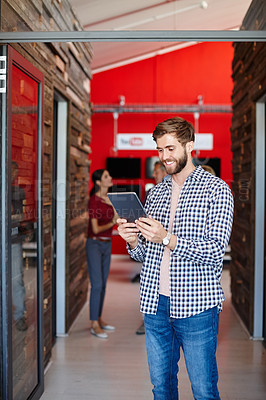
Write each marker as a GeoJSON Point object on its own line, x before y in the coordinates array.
{"type": "Point", "coordinates": [202, 225]}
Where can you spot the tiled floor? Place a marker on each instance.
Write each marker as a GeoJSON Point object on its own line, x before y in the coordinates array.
{"type": "Point", "coordinates": [84, 367]}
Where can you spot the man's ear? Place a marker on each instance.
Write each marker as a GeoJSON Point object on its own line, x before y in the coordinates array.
{"type": "Point", "coordinates": [190, 146]}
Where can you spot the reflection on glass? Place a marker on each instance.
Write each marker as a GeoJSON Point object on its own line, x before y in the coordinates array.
{"type": "Point", "coordinates": [24, 233]}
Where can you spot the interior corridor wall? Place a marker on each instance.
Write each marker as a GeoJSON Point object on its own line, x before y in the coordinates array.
{"type": "Point", "coordinates": [177, 77]}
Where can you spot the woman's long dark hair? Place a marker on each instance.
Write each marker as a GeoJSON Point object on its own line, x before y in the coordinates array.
{"type": "Point", "coordinates": [96, 176]}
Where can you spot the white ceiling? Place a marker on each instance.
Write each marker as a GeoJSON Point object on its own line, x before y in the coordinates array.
{"type": "Point", "coordinates": [152, 15]}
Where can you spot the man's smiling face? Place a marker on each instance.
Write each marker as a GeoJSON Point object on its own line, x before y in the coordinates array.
{"type": "Point", "coordinates": [172, 153]}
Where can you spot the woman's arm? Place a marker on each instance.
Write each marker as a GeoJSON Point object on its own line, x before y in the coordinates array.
{"type": "Point", "coordinates": [96, 228]}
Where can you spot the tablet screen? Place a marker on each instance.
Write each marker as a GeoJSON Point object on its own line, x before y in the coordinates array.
{"type": "Point", "coordinates": [127, 205]}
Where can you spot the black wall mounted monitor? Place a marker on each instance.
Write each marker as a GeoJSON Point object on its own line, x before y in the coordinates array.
{"type": "Point", "coordinates": [214, 162]}
{"type": "Point", "coordinates": [124, 167]}
{"type": "Point", "coordinates": [126, 188]}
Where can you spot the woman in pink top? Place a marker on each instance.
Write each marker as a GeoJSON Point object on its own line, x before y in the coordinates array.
{"type": "Point", "coordinates": [102, 218]}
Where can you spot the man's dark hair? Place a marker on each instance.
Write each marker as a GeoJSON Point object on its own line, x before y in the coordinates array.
{"type": "Point", "coordinates": [183, 130]}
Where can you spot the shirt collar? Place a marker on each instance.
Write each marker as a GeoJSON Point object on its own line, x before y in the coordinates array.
{"type": "Point", "coordinates": [195, 175]}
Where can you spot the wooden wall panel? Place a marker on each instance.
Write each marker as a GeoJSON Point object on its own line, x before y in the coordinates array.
{"type": "Point", "coordinates": [249, 66]}
{"type": "Point", "coordinates": [66, 69]}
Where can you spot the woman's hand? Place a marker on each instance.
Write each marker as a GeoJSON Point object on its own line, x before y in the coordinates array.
{"type": "Point", "coordinates": [128, 231]}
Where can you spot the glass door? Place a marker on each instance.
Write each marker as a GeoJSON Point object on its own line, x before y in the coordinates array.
{"type": "Point", "coordinates": [264, 288]}
{"type": "Point", "coordinates": [24, 233]}
{"type": "Point", "coordinates": [23, 367]}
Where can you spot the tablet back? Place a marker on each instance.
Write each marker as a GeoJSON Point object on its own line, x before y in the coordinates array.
{"type": "Point", "coordinates": [127, 205]}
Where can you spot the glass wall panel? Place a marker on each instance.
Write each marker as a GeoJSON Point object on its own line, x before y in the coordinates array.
{"type": "Point", "coordinates": [24, 234]}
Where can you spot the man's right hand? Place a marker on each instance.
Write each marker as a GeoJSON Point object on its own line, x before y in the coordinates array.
{"type": "Point", "coordinates": [128, 231]}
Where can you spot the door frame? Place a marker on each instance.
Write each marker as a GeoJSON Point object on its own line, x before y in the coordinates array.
{"type": "Point", "coordinates": [14, 58]}
{"type": "Point", "coordinates": [60, 191]}
{"type": "Point", "coordinates": [259, 311]}
{"type": "Point", "coordinates": [21, 37]}
{"type": "Point", "coordinates": [134, 36]}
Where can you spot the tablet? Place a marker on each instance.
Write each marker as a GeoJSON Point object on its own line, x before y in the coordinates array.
{"type": "Point", "coordinates": [127, 205]}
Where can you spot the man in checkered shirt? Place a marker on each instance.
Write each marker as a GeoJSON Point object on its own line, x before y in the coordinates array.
{"type": "Point", "coordinates": [181, 244]}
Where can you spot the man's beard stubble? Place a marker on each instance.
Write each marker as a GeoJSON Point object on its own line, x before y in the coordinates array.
{"type": "Point", "coordinates": [180, 164]}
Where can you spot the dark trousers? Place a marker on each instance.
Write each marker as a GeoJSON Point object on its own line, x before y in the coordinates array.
{"type": "Point", "coordinates": [98, 259]}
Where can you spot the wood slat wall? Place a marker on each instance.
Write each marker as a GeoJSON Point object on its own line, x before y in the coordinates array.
{"type": "Point", "coordinates": [66, 69]}
{"type": "Point", "coordinates": [249, 66]}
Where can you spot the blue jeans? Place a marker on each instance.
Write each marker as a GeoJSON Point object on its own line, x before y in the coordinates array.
{"type": "Point", "coordinates": [98, 260]}
{"type": "Point", "coordinates": [197, 336]}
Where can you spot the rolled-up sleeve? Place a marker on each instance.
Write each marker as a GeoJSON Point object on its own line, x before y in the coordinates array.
{"type": "Point", "coordinates": [210, 249]}
{"type": "Point", "coordinates": [138, 253]}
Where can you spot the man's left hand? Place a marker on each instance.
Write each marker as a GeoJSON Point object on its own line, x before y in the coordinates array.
{"type": "Point", "coordinates": [151, 229]}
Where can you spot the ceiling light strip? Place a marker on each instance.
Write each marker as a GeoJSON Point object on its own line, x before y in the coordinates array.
{"type": "Point", "coordinates": [129, 13]}
{"type": "Point", "coordinates": [157, 17]}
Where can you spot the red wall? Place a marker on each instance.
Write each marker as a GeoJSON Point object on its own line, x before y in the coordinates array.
{"type": "Point", "coordinates": [174, 78]}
